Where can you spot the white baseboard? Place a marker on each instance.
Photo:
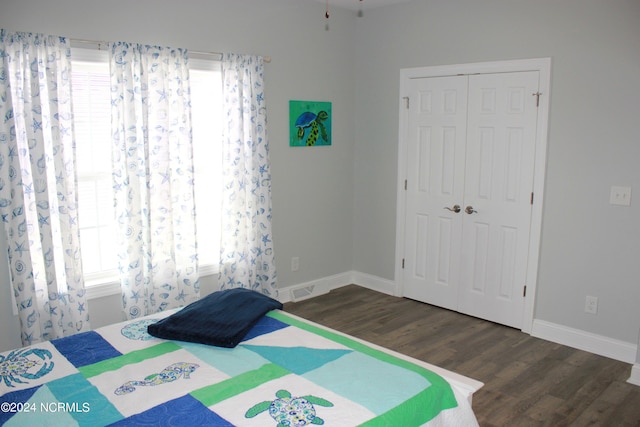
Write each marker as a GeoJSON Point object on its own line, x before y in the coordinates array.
{"type": "Point", "coordinates": [635, 375]}
{"type": "Point", "coordinates": [374, 283]}
{"type": "Point", "coordinates": [597, 344]}
{"type": "Point", "coordinates": [316, 287]}
{"type": "Point", "coordinates": [325, 284]}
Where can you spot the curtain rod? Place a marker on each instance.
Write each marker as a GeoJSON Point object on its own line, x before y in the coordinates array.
{"type": "Point", "coordinates": [99, 43]}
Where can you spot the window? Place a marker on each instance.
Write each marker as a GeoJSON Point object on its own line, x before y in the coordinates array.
{"type": "Point", "coordinates": [206, 121]}
{"type": "Point", "coordinates": [92, 126]}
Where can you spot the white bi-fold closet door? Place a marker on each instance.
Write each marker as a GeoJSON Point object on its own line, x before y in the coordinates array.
{"type": "Point", "coordinates": [470, 146]}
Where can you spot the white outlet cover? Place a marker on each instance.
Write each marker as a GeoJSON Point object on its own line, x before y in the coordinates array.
{"type": "Point", "coordinates": [591, 305]}
{"type": "Point", "coordinates": [620, 196]}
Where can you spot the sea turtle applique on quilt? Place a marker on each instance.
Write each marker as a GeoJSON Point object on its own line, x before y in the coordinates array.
{"type": "Point", "coordinates": [287, 410]}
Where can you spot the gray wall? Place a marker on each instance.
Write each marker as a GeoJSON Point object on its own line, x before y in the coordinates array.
{"type": "Point", "coordinates": [588, 246]}
{"type": "Point", "coordinates": [312, 187]}
{"type": "Point", "coordinates": [335, 207]}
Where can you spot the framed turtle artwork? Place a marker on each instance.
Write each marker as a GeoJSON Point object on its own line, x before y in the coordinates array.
{"type": "Point", "coordinates": [309, 123]}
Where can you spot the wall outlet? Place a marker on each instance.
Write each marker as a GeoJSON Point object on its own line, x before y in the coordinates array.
{"type": "Point", "coordinates": [295, 263]}
{"type": "Point", "coordinates": [591, 305]}
{"type": "Point", "coordinates": [620, 196]}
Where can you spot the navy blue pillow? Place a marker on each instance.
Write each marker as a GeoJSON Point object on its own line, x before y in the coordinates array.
{"type": "Point", "coordinates": [222, 318]}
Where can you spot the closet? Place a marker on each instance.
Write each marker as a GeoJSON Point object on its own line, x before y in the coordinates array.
{"type": "Point", "coordinates": [469, 142]}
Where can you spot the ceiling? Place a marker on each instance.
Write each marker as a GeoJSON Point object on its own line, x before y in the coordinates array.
{"type": "Point", "coordinates": [361, 5]}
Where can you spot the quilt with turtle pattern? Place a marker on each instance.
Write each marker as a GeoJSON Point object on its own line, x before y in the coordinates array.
{"type": "Point", "coordinates": [285, 372]}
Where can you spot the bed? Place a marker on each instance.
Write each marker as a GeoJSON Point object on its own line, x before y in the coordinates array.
{"type": "Point", "coordinates": [283, 371]}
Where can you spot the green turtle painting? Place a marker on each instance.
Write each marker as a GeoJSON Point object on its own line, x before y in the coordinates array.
{"type": "Point", "coordinates": [309, 119]}
{"type": "Point", "coordinates": [290, 411]}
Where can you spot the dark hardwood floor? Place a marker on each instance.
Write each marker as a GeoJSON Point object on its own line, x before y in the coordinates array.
{"type": "Point", "coordinates": [528, 381]}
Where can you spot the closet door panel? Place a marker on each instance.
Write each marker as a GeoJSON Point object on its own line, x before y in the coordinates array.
{"type": "Point", "coordinates": [435, 184]}
{"type": "Point", "coordinates": [500, 152]}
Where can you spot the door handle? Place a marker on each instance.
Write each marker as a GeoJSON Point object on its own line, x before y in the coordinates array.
{"type": "Point", "coordinates": [470, 210]}
{"type": "Point", "coordinates": [456, 208]}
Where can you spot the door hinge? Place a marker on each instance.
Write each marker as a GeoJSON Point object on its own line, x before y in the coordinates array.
{"type": "Point", "coordinates": [532, 197]}
{"type": "Point", "coordinates": [402, 262]}
{"type": "Point", "coordinates": [405, 185]}
{"type": "Point", "coordinates": [406, 101]}
{"type": "Point", "coordinates": [524, 291]}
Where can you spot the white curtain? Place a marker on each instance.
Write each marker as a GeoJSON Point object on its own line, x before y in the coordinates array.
{"type": "Point", "coordinates": [38, 188]}
{"type": "Point", "coordinates": [247, 258]}
{"type": "Point", "coordinates": [153, 178]}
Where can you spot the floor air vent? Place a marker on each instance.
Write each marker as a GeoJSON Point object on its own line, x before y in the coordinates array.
{"type": "Point", "coordinates": [302, 293]}
{"type": "Point", "coordinates": [307, 291]}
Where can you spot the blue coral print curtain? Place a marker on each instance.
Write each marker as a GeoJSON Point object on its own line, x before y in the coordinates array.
{"type": "Point", "coordinates": [38, 188]}
{"type": "Point", "coordinates": [153, 178]}
{"type": "Point", "coordinates": [247, 258]}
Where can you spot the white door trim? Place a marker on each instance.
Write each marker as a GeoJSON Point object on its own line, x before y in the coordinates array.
{"type": "Point", "coordinates": [543, 66]}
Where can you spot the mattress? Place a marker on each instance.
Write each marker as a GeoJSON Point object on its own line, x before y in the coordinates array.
{"type": "Point", "coordinates": [285, 372]}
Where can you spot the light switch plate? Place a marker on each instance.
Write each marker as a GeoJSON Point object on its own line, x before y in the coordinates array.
{"type": "Point", "coordinates": [620, 196]}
